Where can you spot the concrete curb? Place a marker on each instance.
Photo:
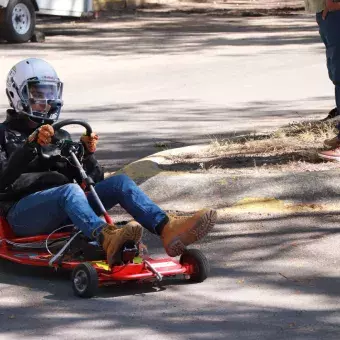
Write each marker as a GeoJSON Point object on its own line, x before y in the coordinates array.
{"type": "Point", "coordinates": [234, 194]}
{"type": "Point", "coordinates": [154, 164]}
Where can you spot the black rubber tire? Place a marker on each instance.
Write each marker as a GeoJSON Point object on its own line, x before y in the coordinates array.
{"type": "Point", "coordinates": [201, 264]}
{"type": "Point", "coordinates": [7, 30]}
{"type": "Point", "coordinates": [89, 274]}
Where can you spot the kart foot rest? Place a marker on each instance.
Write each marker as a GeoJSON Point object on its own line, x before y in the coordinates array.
{"type": "Point", "coordinates": [159, 276]}
{"type": "Point", "coordinates": [127, 253]}
{"type": "Point", "coordinates": [60, 253]}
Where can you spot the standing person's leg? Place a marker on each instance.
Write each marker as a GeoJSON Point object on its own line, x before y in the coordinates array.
{"type": "Point", "coordinates": [331, 28]}
{"type": "Point", "coordinates": [323, 35]}
{"type": "Point", "coordinates": [176, 233]}
{"type": "Point", "coordinates": [323, 31]}
{"type": "Point", "coordinates": [334, 52]}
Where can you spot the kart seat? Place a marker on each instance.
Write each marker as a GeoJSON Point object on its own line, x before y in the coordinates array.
{"type": "Point", "coordinates": [7, 233]}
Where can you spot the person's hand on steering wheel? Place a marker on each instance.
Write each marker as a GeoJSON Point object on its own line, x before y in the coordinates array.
{"type": "Point", "coordinates": [43, 135]}
{"type": "Point", "coordinates": [90, 142]}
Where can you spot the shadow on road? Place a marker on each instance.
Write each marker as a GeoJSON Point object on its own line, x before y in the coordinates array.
{"type": "Point", "coordinates": [269, 275]}
{"type": "Point", "coordinates": [172, 35]}
{"type": "Point", "coordinates": [118, 148]}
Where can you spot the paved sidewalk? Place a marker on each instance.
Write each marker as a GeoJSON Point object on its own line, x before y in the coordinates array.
{"type": "Point", "coordinates": [165, 79]}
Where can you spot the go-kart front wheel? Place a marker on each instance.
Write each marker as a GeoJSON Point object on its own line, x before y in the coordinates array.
{"type": "Point", "coordinates": [197, 262]}
{"type": "Point", "coordinates": [84, 280]}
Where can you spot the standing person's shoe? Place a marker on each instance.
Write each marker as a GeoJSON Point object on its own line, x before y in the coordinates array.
{"type": "Point", "coordinates": [112, 238]}
{"type": "Point", "coordinates": [180, 232]}
{"type": "Point", "coordinates": [332, 115]}
{"type": "Point", "coordinates": [330, 155]}
{"type": "Point", "coordinates": [332, 143]}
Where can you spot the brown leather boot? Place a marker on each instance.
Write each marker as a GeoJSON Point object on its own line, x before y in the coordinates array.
{"type": "Point", "coordinates": [112, 238]}
{"type": "Point", "coordinates": [180, 232]}
{"type": "Point", "coordinates": [332, 143]}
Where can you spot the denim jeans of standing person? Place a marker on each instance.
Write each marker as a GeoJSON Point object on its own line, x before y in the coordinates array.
{"type": "Point", "coordinates": [45, 211]}
{"type": "Point", "coordinates": [329, 29]}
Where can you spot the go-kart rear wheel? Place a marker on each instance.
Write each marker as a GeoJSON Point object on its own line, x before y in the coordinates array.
{"type": "Point", "coordinates": [84, 280]}
{"type": "Point", "coordinates": [198, 262]}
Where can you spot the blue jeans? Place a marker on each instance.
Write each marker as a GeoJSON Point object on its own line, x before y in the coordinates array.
{"type": "Point", "coordinates": [45, 211]}
{"type": "Point", "coordinates": [329, 30]}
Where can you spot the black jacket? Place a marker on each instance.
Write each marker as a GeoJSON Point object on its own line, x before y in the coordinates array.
{"type": "Point", "coordinates": [23, 172]}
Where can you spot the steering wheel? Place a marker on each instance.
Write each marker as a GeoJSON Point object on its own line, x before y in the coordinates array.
{"type": "Point", "coordinates": [73, 148]}
{"type": "Point", "coordinates": [55, 141]}
{"type": "Point", "coordinates": [86, 125]}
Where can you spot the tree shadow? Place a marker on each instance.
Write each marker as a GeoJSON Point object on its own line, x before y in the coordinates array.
{"type": "Point", "coordinates": [172, 35]}
{"type": "Point", "coordinates": [258, 289]}
{"type": "Point", "coordinates": [171, 124]}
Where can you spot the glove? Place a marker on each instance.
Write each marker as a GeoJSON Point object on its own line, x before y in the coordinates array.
{"type": "Point", "coordinates": [90, 142]}
{"type": "Point", "coordinates": [43, 135]}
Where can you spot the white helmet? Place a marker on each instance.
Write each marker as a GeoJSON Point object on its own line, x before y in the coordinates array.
{"type": "Point", "coordinates": [34, 89]}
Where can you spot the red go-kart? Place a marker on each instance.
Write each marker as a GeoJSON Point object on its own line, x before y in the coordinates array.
{"type": "Point", "coordinates": [70, 249]}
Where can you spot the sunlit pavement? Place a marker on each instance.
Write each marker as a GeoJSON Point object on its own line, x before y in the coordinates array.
{"type": "Point", "coordinates": [185, 80]}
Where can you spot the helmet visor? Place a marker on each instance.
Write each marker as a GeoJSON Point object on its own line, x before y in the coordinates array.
{"type": "Point", "coordinates": [43, 99]}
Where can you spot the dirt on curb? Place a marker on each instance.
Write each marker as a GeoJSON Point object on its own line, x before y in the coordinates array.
{"type": "Point", "coordinates": [293, 148]}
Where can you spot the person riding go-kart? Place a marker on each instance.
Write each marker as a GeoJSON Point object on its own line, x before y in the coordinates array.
{"type": "Point", "coordinates": [38, 196]}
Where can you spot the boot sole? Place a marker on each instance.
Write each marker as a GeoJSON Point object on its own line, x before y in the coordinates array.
{"type": "Point", "coordinates": [135, 235]}
{"type": "Point", "coordinates": [203, 226]}
{"type": "Point", "coordinates": [329, 158]}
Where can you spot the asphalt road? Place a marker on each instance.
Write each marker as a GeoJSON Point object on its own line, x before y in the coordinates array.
{"type": "Point", "coordinates": [272, 278]}
{"type": "Point", "coordinates": [186, 80]}
{"type": "Point", "coordinates": [145, 81]}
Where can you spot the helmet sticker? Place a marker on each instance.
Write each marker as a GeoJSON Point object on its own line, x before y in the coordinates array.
{"type": "Point", "coordinates": [11, 74]}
